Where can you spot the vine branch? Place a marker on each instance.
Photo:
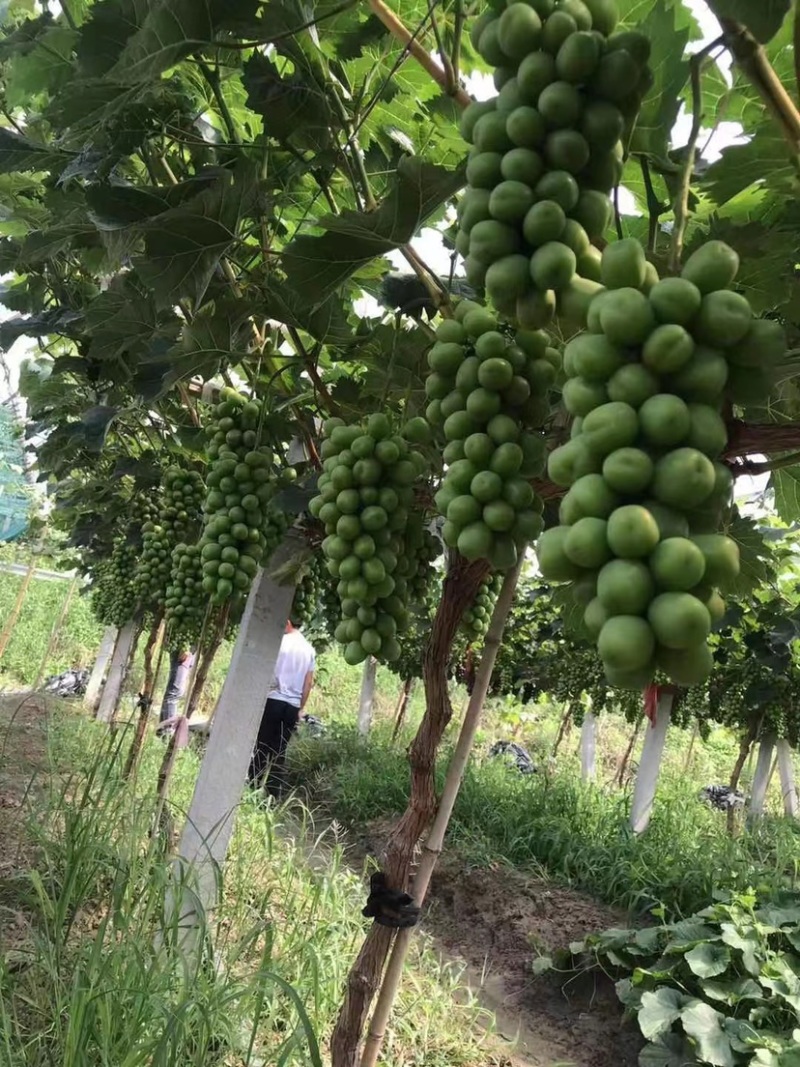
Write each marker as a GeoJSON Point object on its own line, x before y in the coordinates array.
{"type": "Point", "coordinates": [681, 209]}
{"type": "Point", "coordinates": [402, 34]}
{"type": "Point", "coordinates": [750, 56]}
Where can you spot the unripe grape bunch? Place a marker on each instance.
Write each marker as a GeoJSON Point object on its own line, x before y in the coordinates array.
{"type": "Point", "coordinates": [365, 499]}
{"type": "Point", "coordinates": [475, 621]}
{"type": "Point", "coordinates": [113, 588]}
{"type": "Point", "coordinates": [547, 150]}
{"type": "Point", "coordinates": [488, 398]}
{"type": "Point", "coordinates": [179, 517]}
{"type": "Point", "coordinates": [641, 536]}
{"type": "Point", "coordinates": [239, 531]}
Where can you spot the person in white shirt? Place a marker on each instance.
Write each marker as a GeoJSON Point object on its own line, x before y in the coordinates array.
{"type": "Point", "coordinates": [294, 677]}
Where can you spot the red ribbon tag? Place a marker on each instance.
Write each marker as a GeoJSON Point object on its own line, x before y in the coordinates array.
{"type": "Point", "coordinates": [652, 695]}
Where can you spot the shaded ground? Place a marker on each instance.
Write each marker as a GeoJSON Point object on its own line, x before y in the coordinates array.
{"type": "Point", "coordinates": [497, 921]}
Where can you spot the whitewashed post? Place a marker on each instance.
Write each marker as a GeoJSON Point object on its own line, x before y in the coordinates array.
{"type": "Point", "coordinates": [116, 672]}
{"type": "Point", "coordinates": [649, 765]}
{"type": "Point", "coordinates": [788, 785]}
{"type": "Point", "coordinates": [758, 793]}
{"type": "Point", "coordinates": [220, 783]}
{"type": "Point", "coordinates": [93, 686]}
{"type": "Point", "coordinates": [588, 747]}
{"type": "Point", "coordinates": [367, 695]}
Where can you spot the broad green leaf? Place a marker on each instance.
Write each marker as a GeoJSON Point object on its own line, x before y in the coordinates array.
{"type": "Point", "coordinates": [753, 572]}
{"type": "Point", "coordinates": [708, 960]}
{"type": "Point", "coordinates": [782, 975]}
{"type": "Point", "coordinates": [704, 1025]}
{"type": "Point", "coordinates": [120, 319]}
{"type": "Point", "coordinates": [291, 109]}
{"type": "Point", "coordinates": [107, 31]}
{"type": "Point", "coordinates": [740, 166]}
{"type": "Point", "coordinates": [763, 19]}
{"type": "Point", "coordinates": [183, 246]}
{"type": "Point", "coordinates": [45, 244]}
{"type": "Point", "coordinates": [95, 423]}
{"type": "Point", "coordinates": [325, 322]}
{"type": "Point", "coordinates": [786, 483]}
{"type": "Point", "coordinates": [749, 946]}
{"type": "Point", "coordinates": [316, 266]}
{"type": "Point", "coordinates": [20, 153]}
{"type": "Point", "coordinates": [173, 29]}
{"type": "Point", "coordinates": [661, 105]}
{"type": "Point", "coordinates": [43, 70]}
{"type": "Point", "coordinates": [113, 207]}
{"type": "Point", "coordinates": [659, 1011]}
{"type": "Point", "coordinates": [673, 1050]}
{"type": "Point", "coordinates": [732, 991]}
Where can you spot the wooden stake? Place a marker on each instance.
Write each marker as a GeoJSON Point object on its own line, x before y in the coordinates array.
{"type": "Point", "coordinates": [104, 653]}
{"type": "Point", "coordinates": [433, 846]}
{"type": "Point", "coordinates": [649, 766]}
{"type": "Point", "coordinates": [563, 729]}
{"type": "Point", "coordinates": [11, 621]}
{"type": "Point", "coordinates": [788, 785]}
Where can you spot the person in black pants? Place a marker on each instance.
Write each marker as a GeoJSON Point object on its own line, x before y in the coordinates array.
{"type": "Point", "coordinates": [294, 677]}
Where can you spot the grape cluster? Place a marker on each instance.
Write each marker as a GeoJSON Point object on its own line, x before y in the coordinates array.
{"type": "Point", "coordinates": [179, 515]}
{"type": "Point", "coordinates": [639, 535]}
{"type": "Point", "coordinates": [364, 501]}
{"type": "Point", "coordinates": [476, 618]}
{"type": "Point", "coordinates": [487, 395]}
{"type": "Point", "coordinates": [185, 601]}
{"type": "Point", "coordinates": [113, 589]}
{"type": "Point", "coordinates": [241, 483]}
{"type": "Point", "coordinates": [304, 605]}
{"type": "Point", "coordinates": [547, 150]}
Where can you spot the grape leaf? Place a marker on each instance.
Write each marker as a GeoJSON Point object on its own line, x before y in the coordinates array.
{"type": "Point", "coordinates": [661, 104]}
{"type": "Point", "coordinates": [786, 485]}
{"type": "Point", "coordinates": [315, 266]}
{"type": "Point", "coordinates": [183, 246]}
{"type": "Point", "coordinates": [763, 19]}
{"type": "Point", "coordinates": [20, 153]}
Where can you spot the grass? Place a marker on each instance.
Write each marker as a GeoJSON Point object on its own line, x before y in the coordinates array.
{"type": "Point", "coordinates": [552, 821]}
{"type": "Point", "coordinates": [92, 985]}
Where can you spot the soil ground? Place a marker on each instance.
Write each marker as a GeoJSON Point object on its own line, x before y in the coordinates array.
{"type": "Point", "coordinates": [496, 921]}
{"type": "Point", "coordinates": [23, 758]}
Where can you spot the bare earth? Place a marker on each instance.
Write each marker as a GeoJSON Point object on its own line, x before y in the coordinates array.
{"type": "Point", "coordinates": [497, 921]}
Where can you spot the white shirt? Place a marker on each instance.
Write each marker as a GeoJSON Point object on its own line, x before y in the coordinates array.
{"type": "Point", "coordinates": [295, 659]}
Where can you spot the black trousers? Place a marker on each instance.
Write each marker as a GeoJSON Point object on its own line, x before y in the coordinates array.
{"type": "Point", "coordinates": [278, 723]}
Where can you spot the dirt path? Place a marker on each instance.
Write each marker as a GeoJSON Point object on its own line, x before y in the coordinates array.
{"type": "Point", "coordinates": [496, 922]}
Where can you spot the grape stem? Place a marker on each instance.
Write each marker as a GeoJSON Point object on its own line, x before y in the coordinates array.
{"type": "Point", "coordinates": [752, 60]}
{"type": "Point", "coordinates": [681, 208]}
{"type": "Point", "coordinates": [397, 29]}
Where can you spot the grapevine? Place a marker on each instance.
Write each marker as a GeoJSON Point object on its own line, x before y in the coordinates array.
{"type": "Point", "coordinates": [640, 536]}
{"type": "Point", "coordinates": [546, 152]}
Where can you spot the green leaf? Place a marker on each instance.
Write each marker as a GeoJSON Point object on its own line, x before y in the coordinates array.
{"type": "Point", "coordinates": [662, 103]}
{"type": "Point", "coordinates": [96, 422]}
{"type": "Point", "coordinates": [292, 109]}
{"type": "Point", "coordinates": [748, 944]}
{"type": "Point", "coordinates": [753, 571]}
{"type": "Point", "coordinates": [316, 266]}
{"type": "Point", "coordinates": [673, 1050]}
{"type": "Point", "coordinates": [708, 960]}
{"type": "Point", "coordinates": [781, 975]}
{"type": "Point", "coordinates": [732, 991]}
{"type": "Point", "coordinates": [786, 484]}
{"type": "Point", "coordinates": [114, 207]}
{"type": "Point", "coordinates": [325, 322]}
{"type": "Point", "coordinates": [704, 1025]}
{"type": "Point", "coordinates": [20, 153]}
{"type": "Point", "coordinates": [173, 29]}
{"type": "Point", "coordinates": [741, 165]}
{"type": "Point", "coordinates": [763, 19]}
{"type": "Point", "coordinates": [659, 1011]}
{"type": "Point", "coordinates": [183, 246]}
